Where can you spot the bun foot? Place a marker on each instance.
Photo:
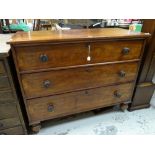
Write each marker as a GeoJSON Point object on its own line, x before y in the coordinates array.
{"type": "Point", "coordinates": [36, 128]}
{"type": "Point", "coordinates": [124, 107]}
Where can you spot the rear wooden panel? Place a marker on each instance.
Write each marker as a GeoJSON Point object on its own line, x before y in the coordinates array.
{"type": "Point", "coordinates": [112, 51]}
{"type": "Point", "coordinates": [28, 58]}
{"type": "Point", "coordinates": [76, 79]}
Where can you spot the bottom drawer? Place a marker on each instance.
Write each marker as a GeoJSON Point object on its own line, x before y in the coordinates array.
{"type": "Point", "coordinates": [8, 123]}
{"type": "Point", "coordinates": [60, 105]}
{"type": "Point", "coordinates": [13, 131]}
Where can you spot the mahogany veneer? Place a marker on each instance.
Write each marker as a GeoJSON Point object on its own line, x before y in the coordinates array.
{"type": "Point", "coordinates": [66, 72]}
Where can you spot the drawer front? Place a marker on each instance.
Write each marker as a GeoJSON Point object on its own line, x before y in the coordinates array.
{"type": "Point", "coordinates": [60, 105]}
{"type": "Point", "coordinates": [8, 110]}
{"type": "Point", "coordinates": [6, 96]}
{"type": "Point", "coordinates": [2, 68]}
{"type": "Point", "coordinates": [4, 82]}
{"type": "Point", "coordinates": [13, 131]}
{"type": "Point", "coordinates": [51, 56]}
{"type": "Point", "coordinates": [61, 81]}
{"type": "Point", "coordinates": [42, 57]}
{"type": "Point", "coordinates": [8, 123]}
{"type": "Point", "coordinates": [116, 51]}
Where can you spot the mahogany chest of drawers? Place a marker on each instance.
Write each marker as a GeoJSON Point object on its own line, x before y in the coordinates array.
{"type": "Point", "coordinates": [11, 119]}
{"type": "Point", "coordinates": [67, 72]}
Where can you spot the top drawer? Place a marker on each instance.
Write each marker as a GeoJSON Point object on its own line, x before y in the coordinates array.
{"type": "Point", "coordinates": [63, 55]}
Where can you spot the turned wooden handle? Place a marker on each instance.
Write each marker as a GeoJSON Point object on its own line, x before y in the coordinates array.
{"type": "Point", "coordinates": [122, 73]}
{"type": "Point", "coordinates": [50, 108]}
{"type": "Point", "coordinates": [43, 58]}
{"type": "Point", "coordinates": [46, 83]}
{"type": "Point", "coordinates": [125, 50]}
{"type": "Point", "coordinates": [117, 94]}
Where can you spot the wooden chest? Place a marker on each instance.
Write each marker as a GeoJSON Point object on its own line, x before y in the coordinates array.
{"type": "Point", "coordinates": [68, 72]}
{"type": "Point", "coordinates": [11, 119]}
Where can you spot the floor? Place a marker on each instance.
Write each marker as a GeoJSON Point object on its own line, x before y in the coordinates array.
{"type": "Point", "coordinates": [114, 122]}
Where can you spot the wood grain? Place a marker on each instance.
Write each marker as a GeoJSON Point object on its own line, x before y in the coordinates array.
{"type": "Point", "coordinates": [9, 122]}
{"type": "Point", "coordinates": [77, 79]}
{"type": "Point", "coordinates": [63, 55]}
{"type": "Point", "coordinates": [143, 93]}
{"type": "Point", "coordinates": [142, 96]}
{"type": "Point", "coordinates": [75, 102]}
{"type": "Point", "coordinates": [11, 119]}
{"type": "Point", "coordinates": [8, 110]}
{"type": "Point", "coordinates": [13, 131]}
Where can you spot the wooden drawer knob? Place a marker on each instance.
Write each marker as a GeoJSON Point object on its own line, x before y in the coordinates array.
{"type": "Point", "coordinates": [125, 50]}
{"type": "Point", "coordinates": [46, 84]}
{"type": "Point", "coordinates": [117, 94]}
{"type": "Point", "coordinates": [50, 108]}
{"type": "Point", "coordinates": [43, 58]}
{"type": "Point", "coordinates": [122, 73]}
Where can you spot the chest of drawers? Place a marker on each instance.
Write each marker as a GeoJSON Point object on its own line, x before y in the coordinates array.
{"type": "Point", "coordinates": [11, 119]}
{"type": "Point", "coordinates": [67, 72]}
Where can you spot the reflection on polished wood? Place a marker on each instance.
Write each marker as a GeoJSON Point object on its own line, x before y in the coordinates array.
{"type": "Point", "coordinates": [76, 34]}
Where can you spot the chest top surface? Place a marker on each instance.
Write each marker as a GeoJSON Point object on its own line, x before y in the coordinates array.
{"type": "Point", "coordinates": [75, 34]}
{"type": "Point", "coordinates": [4, 48]}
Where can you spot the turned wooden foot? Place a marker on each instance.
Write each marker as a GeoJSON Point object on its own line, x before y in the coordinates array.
{"type": "Point", "coordinates": [124, 106]}
{"type": "Point", "coordinates": [36, 128]}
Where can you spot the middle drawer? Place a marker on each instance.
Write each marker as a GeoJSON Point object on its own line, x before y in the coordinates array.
{"type": "Point", "coordinates": [66, 80]}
